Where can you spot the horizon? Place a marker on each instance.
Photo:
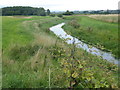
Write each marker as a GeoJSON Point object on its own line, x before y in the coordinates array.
{"type": "Point", "coordinates": [63, 5]}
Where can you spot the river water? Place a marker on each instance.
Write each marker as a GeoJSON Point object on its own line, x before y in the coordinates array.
{"type": "Point", "coordinates": [57, 29]}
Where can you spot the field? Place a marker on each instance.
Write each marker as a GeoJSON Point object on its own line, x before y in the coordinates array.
{"type": "Point", "coordinates": [33, 57]}
{"type": "Point", "coordinates": [99, 33]}
{"type": "Point", "coordinates": [107, 18]}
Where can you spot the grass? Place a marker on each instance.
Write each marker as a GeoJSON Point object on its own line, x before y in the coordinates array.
{"type": "Point", "coordinates": [103, 35]}
{"type": "Point", "coordinates": [13, 32]}
{"type": "Point", "coordinates": [20, 53]}
{"type": "Point", "coordinates": [27, 60]}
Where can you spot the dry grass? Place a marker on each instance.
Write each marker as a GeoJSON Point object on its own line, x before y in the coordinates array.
{"type": "Point", "coordinates": [44, 40]}
{"type": "Point", "coordinates": [107, 18]}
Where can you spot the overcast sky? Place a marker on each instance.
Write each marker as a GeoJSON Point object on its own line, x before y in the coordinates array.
{"type": "Point", "coordinates": [63, 5]}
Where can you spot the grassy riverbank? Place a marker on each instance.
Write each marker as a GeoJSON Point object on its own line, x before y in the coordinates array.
{"type": "Point", "coordinates": [103, 35]}
{"type": "Point", "coordinates": [30, 51]}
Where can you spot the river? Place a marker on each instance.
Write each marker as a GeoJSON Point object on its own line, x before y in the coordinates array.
{"type": "Point", "coordinates": [59, 31]}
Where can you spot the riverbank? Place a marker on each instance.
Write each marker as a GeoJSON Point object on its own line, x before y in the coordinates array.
{"type": "Point", "coordinates": [100, 34]}
{"type": "Point", "coordinates": [57, 30]}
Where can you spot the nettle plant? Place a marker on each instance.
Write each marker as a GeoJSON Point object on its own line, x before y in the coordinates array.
{"type": "Point", "coordinates": [79, 74]}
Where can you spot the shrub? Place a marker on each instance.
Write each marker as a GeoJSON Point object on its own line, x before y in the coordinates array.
{"type": "Point", "coordinates": [74, 23]}
{"type": "Point", "coordinates": [52, 15]}
{"type": "Point", "coordinates": [60, 15]}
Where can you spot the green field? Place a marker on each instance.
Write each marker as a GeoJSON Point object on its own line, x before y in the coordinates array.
{"type": "Point", "coordinates": [101, 34]}
{"type": "Point", "coordinates": [30, 51]}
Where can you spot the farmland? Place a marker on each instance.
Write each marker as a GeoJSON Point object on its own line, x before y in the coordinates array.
{"type": "Point", "coordinates": [33, 57]}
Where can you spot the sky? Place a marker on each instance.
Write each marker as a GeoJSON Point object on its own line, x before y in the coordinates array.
{"type": "Point", "coordinates": [63, 5]}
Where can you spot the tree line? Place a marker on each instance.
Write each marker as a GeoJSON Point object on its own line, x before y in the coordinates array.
{"type": "Point", "coordinates": [26, 10]}
{"type": "Point", "coordinates": [20, 10]}
{"type": "Point", "coordinates": [98, 12]}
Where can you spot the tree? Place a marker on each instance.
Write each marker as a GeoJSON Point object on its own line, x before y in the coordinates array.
{"type": "Point", "coordinates": [41, 12]}
{"type": "Point", "coordinates": [20, 10]}
{"type": "Point", "coordinates": [48, 12]}
{"type": "Point", "coordinates": [68, 13]}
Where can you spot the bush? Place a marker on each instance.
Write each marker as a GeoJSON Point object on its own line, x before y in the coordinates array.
{"type": "Point", "coordinates": [60, 15]}
{"type": "Point", "coordinates": [74, 23]}
{"type": "Point", "coordinates": [63, 17]}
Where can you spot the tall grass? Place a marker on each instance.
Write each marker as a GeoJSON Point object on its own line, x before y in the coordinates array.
{"type": "Point", "coordinates": [22, 39]}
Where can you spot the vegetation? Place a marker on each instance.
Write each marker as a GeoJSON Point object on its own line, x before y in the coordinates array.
{"type": "Point", "coordinates": [52, 15]}
{"type": "Point", "coordinates": [30, 50]}
{"type": "Point", "coordinates": [48, 12]}
{"type": "Point", "coordinates": [26, 10]}
{"type": "Point", "coordinates": [20, 10]}
{"type": "Point", "coordinates": [74, 23]}
{"type": "Point", "coordinates": [103, 35]}
{"type": "Point", "coordinates": [98, 12]}
{"type": "Point", "coordinates": [60, 15]}
{"type": "Point", "coordinates": [107, 18]}
{"type": "Point", "coordinates": [68, 13]}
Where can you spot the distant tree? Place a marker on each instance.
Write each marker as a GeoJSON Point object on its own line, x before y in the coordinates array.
{"type": "Point", "coordinates": [20, 10]}
{"type": "Point", "coordinates": [48, 12]}
{"type": "Point", "coordinates": [41, 12]}
{"type": "Point", "coordinates": [68, 13]}
{"type": "Point", "coordinates": [107, 11]}
{"type": "Point", "coordinates": [85, 12]}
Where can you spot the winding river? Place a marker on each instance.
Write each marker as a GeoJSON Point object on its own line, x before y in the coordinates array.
{"type": "Point", "coordinates": [57, 29]}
